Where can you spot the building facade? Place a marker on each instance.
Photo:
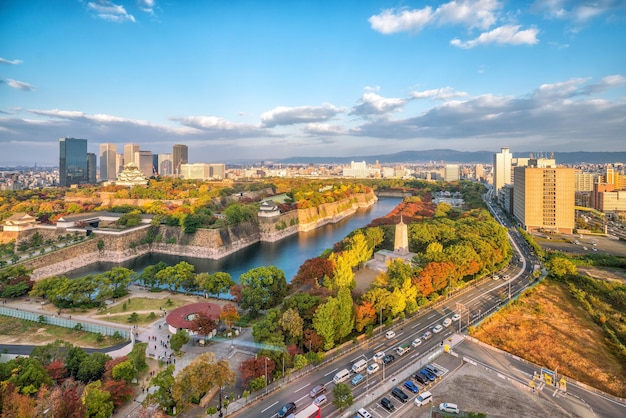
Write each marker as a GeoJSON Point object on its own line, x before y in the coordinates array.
{"type": "Point", "coordinates": [143, 160]}
{"type": "Point", "coordinates": [543, 198]}
{"type": "Point", "coordinates": [165, 165]}
{"type": "Point", "coordinates": [108, 162]}
{"type": "Point", "coordinates": [451, 172]}
{"type": "Point", "coordinates": [502, 168]}
{"type": "Point", "coordinates": [92, 168]}
{"type": "Point", "coordinates": [180, 155]}
{"type": "Point", "coordinates": [73, 161]}
{"type": "Point", "coordinates": [129, 153]}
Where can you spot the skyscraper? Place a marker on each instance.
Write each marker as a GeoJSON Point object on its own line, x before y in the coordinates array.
{"type": "Point", "coordinates": [179, 156]}
{"type": "Point", "coordinates": [91, 168]}
{"type": "Point", "coordinates": [451, 172]}
{"type": "Point", "coordinates": [165, 165]}
{"type": "Point", "coordinates": [129, 153]}
{"type": "Point", "coordinates": [108, 156]}
{"type": "Point", "coordinates": [72, 161]}
{"type": "Point", "coordinates": [143, 159]}
{"type": "Point", "coordinates": [502, 168]}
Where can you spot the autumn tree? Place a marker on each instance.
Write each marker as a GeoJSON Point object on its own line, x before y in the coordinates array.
{"type": "Point", "coordinates": [202, 324]}
{"type": "Point", "coordinates": [15, 404]}
{"type": "Point", "coordinates": [97, 401]}
{"type": "Point", "coordinates": [229, 314]}
{"type": "Point", "coordinates": [292, 324]}
{"type": "Point", "coordinates": [255, 367]}
{"type": "Point", "coordinates": [65, 400]}
{"type": "Point", "coordinates": [561, 267]}
{"type": "Point", "coordinates": [365, 315]}
{"type": "Point", "coordinates": [312, 272]}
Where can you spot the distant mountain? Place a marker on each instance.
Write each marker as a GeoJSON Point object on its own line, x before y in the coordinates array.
{"type": "Point", "coordinates": [452, 156]}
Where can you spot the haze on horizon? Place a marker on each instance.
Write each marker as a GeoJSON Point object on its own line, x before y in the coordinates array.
{"type": "Point", "coordinates": [249, 80]}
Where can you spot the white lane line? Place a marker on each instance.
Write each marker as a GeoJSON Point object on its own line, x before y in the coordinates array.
{"type": "Point", "coordinates": [296, 391]}
{"type": "Point", "coordinates": [331, 372]}
{"type": "Point", "coordinates": [378, 346]}
{"type": "Point", "coordinates": [269, 406]}
{"type": "Point", "coordinates": [416, 325]}
{"type": "Point", "coordinates": [432, 316]}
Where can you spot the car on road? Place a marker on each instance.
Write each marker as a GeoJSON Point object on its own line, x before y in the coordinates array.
{"type": "Point", "coordinates": [373, 368]}
{"type": "Point", "coordinates": [388, 359]}
{"type": "Point", "coordinates": [399, 394]}
{"type": "Point", "coordinates": [386, 403]}
{"type": "Point", "coordinates": [411, 386]}
{"type": "Point", "coordinates": [289, 408]}
{"type": "Point", "coordinates": [437, 329]}
{"type": "Point", "coordinates": [495, 277]}
{"type": "Point", "coordinates": [427, 335]}
{"type": "Point", "coordinates": [416, 342]}
{"type": "Point", "coordinates": [358, 379]}
{"type": "Point", "coordinates": [449, 407]}
{"type": "Point", "coordinates": [446, 322]}
{"type": "Point", "coordinates": [506, 277]}
{"type": "Point", "coordinates": [378, 357]}
{"type": "Point", "coordinates": [456, 317]}
{"type": "Point", "coordinates": [317, 390]}
{"type": "Point", "coordinates": [390, 334]}
{"type": "Point", "coordinates": [320, 400]}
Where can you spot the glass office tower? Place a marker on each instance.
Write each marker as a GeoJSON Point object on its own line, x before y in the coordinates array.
{"type": "Point", "coordinates": [72, 161]}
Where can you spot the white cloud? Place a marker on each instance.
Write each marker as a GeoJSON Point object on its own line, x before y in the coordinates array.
{"type": "Point", "coordinates": [373, 104]}
{"type": "Point", "coordinates": [323, 129]}
{"type": "Point", "coordinates": [503, 35]}
{"type": "Point", "coordinates": [146, 6]}
{"type": "Point", "coordinates": [577, 11]}
{"type": "Point", "coordinates": [392, 21]}
{"type": "Point", "coordinates": [107, 10]}
{"type": "Point", "coordinates": [20, 85]}
{"type": "Point", "coordinates": [220, 127]}
{"type": "Point", "coordinates": [282, 115]}
{"type": "Point", "coordinates": [10, 62]}
{"type": "Point", "coordinates": [445, 93]}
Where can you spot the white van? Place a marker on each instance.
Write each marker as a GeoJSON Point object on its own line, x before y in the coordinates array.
{"type": "Point", "coordinates": [341, 376]}
{"type": "Point", "coordinates": [363, 413]}
{"type": "Point", "coordinates": [359, 366]}
{"type": "Point", "coordinates": [423, 398]}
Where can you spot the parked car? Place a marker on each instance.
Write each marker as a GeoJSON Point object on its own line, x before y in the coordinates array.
{"type": "Point", "coordinates": [428, 374]}
{"type": "Point", "coordinates": [399, 394]}
{"type": "Point", "coordinates": [427, 335]}
{"type": "Point", "coordinates": [378, 357]}
{"type": "Point", "coordinates": [456, 317]}
{"type": "Point", "coordinates": [433, 370]}
{"type": "Point", "coordinates": [373, 368]}
{"type": "Point", "coordinates": [317, 390]}
{"type": "Point", "coordinates": [287, 409]}
{"type": "Point", "coordinates": [411, 386]}
{"type": "Point", "coordinates": [447, 322]}
{"type": "Point", "coordinates": [388, 359]}
{"type": "Point", "coordinates": [390, 334]}
{"type": "Point", "coordinates": [437, 329]}
{"type": "Point", "coordinates": [416, 342]}
{"type": "Point", "coordinates": [320, 400]}
{"type": "Point", "coordinates": [421, 378]}
{"type": "Point", "coordinates": [449, 407]}
{"type": "Point", "coordinates": [386, 403]}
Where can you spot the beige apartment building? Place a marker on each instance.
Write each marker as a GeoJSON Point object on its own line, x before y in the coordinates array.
{"type": "Point", "coordinates": [543, 198]}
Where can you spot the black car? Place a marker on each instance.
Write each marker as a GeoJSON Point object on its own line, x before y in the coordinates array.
{"type": "Point", "coordinates": [421, 378]}
{"type": "Point", "coordinates": [388, 359]}
{"type": "Point", "coordinates": [386, 403]}
{"type": "Point", "coordinates": [428, 374]}
{"type": "Point", "coordinates": [399, 394]}
{"type": "Point", "coordinates": [289, 408]}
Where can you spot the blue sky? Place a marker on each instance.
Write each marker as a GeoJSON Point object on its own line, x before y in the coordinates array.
{"type": "Point", "coordinates": [272, 79]}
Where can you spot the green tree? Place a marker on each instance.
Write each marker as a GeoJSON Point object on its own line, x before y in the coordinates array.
{"type": "Point", "coordinates": [97, 401]}
{"type": "Point", "coordinates": [92, 367]}
{"type": "Point", "coordinates": [262, 288]}
{"type": "Point", "coordinates": [342, 396]}
{"type": "Point", "coordinates": [561, 268]}
{"type": "Point", "coordinates": [345, 314]}
{"type": "Point", "coordinates": [176, 275]}
{"type": "Point", "coordinates": [26, 374]}
{"type": "Point", "coordinates": [292, 324]}
{"type": "Point", "coordinates": [215, 283]}
{"type": "Point", "coordinates": [300, 361]}
{"type": "Point", "coordinates": [179, 339]}
{"type": "Point", "coordinates": [120, 278]}
{"type": "Point", "coordinates": [124, 371]}
{"type": "Point", "coordinates": [324, 322]}
{"type": "Point", "coordinates": [162, 395]}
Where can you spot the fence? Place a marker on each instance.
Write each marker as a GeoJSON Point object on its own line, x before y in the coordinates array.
{"type": "Point", "coordinates": [64, 322]}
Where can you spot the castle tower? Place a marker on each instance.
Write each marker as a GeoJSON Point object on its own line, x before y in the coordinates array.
{"type": "Point", "coordinates": [401, 241]}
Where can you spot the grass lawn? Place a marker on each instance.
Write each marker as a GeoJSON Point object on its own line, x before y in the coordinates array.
{"type": "Point", "coordinates": [19, 331]}
{"type": "Point", "coordinates": [549, 327]}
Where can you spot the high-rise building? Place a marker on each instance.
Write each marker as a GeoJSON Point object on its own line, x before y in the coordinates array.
{"type": "Point", "coordinates": [155, 164]}
{"type": "Point", "coordinates": [180, 155]}
{"type": "Point", "coordinates": [543, 197]}
{"type": "Point", "coordinates": [108, 156]}
{"type": "Point", "coordinates": [502, 168]}
{"type": "Point", "coordinates": [119, 162]}
{"type": "Point", "coordinates": [164, 166]}
{"type": "Point", "coordinates": [451, 172]}
{"type": "Point", "coordinates": [143, 159]}
{"type": "Point", "coordinates": [583, 182]}
{"type": "Point", "coordinates": [72, 161]}
{"type": "Point", "coordinates": [129, 153]}
{"type": "Point", "coordinates": [91, 168]}
{"type": "Point", "coordinates": [218, 171]}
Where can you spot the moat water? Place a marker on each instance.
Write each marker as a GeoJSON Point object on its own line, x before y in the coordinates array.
{"type": "Point", "coordinates": [287, 254]}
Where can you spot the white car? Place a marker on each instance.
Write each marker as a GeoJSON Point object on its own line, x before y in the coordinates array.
{"type": "Point", "coordinates": [437, 329]}
{"type": "Point", "coordinates": [373, 368]}
{"type": "Point", "coordinates": [320, 400]}
{"type": "Point", "coordinates": [446, 322]}
{"type": "Point", "coordinates": [416, 342]}
{"type": "Point", "coordinates": [378, 357]}
{"type": "Point", "coordinates": [390, 335]}
{"type": "Point", "coordinates": [456, 317]}
{"type": "Point", "coordinates": [496, 277]}
{"type": "Point", "coordinates": [449, 407]}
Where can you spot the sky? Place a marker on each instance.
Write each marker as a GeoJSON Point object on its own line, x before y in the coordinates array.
{"type": "Point", "coordinates": [271, 79]}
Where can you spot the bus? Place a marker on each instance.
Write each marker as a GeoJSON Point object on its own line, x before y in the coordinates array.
{"type": "Point", "coordinates": [311, 411]}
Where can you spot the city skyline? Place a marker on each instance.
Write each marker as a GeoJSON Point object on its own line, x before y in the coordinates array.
{"type": "Point", "coordinates": [238, 80]}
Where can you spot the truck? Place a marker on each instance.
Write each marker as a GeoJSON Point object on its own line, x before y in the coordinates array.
{"type": "Point", "coordinates": [404, 348]}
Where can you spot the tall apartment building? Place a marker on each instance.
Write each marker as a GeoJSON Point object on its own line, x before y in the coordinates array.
{"type": "Point", "coordinates": [543, 197]}
{"type": "Point", "coordinates": [73, 161]}
{"type": "Point", "coordinates": [583, 182]}
{"type": "Point", "coordinates": [451, 172]}
{"type": "Point", "coordinates": [502, 168]}
{"type": "Point", "coordinates": [143, 159]}
{"type": "Point", "coordinates": [129, 153]}
{"type": "Point", "coordinates": [108, 157]}
{"type": "Point", "coordinates": [180, 155]}
{"type": "Point", "coordinates": [165, 167]}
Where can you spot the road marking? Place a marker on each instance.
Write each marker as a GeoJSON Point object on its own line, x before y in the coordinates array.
{"type": "Point", "coordinates": [331, 372]}
{"type": "Point", "coordinates": [416, 325]}
{"type": "Point", "coordinates": [296, 391]}
{"type": "Point", "coordinates": [269, 407]}
{"type": "Point", "coordinates": [432, 316]}
{"type": "Point", "coordinates": [358, 358]}
{"type": "Point", "coordinates": [298, 400]}
{"type": "Point", "coordinates": [378, 346]}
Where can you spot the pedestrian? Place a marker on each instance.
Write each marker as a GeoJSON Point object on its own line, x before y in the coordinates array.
{"type": "Point", "coordinates": [70, 316]}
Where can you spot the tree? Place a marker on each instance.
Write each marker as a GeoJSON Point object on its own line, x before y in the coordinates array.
{"type": "Point", "coordinates": [313, 271]}
{"type": "Point", "coordinates": [92, 367]}
{"type": "Point", "coordinates": [262, 288]}
{"type": "Point", "coordinates": [179, 339]}
{"type": "Point", "coordinates": [561, 268]}
{"type": "Point", "coordinates": [255, 367]}
{"type": "Point", "coordinates": [343, 276]}
{"type": "Point", "coordinates": [26, 374]}
{"type": "Point", "coordinates": [120, 278]}
{"type": "Point", "coordinates": [162, 395]}
{"type": "Point", "coordinates": [14, 404]}
{"type": "Point", "coordinates": [345, 314]}
{"type": "Point", "coordinates": [342, 396]}
{"type": "Point", "coordinates": [148, 275]}
{"type": "Point", "coordinates": [73, 359]}
{"type": "Point", "coordinates": [324, 322]}
{"type": "Point", "coordinates": [65, 400]}
{"type": "Point", "coordinates": [292, 324]}
{"type": "Point", "coordinates": [267, 329]}
{"type": "Point", "coordinates": [97, 401]}
{"type": "Point", "coordinates": [124, 371]}
{"type": "Point", "coordinates": [300, 361]}
{"type": "Point", "coordinates": [175, 275]}
{"type": "Point", "coordinates": [202, 325]}
{"type": "Point", "coordinates": [215, 283]}
{"type": "Point", "coordinates": [364, 316]}
{"type": "Point", "coordinates": [229, 314]}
